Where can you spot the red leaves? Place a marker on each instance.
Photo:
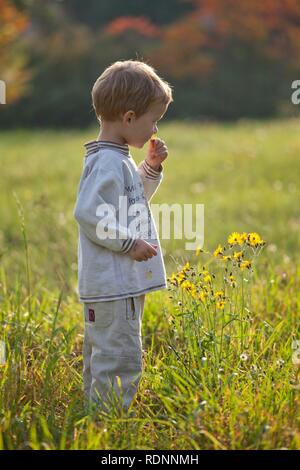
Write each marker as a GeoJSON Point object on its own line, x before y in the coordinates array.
{"type": "Point", "coordinates": [139, 24]}
{"type": "Point", "coordinates": [190, 46]}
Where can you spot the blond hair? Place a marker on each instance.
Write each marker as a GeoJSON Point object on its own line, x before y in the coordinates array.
{"type": "Point", "coordinates": [128, 85]}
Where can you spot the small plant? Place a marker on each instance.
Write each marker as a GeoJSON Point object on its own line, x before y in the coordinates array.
{"type": "Point", "coordinates": [215, 304]}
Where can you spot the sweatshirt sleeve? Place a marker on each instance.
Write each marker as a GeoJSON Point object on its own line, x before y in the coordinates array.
{"type": "Point", "coordinates": [151, 178]}
{"type": "Point", "coordinates": [97, 207]}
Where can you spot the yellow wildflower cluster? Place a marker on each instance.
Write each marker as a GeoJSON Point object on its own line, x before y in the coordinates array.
{"type": "Point", "coordinates": [218, 253]}
{"type": "Point", "coordinates": [243, 239]}
{"type": "Point", "coordinates": [203, 288]}
{"type": "Point", "coordinates": [178, 278]}
{"type": "Point", "coordinates": [236, 238]}
{"type": "Point", "coordinates": [190, 288]}
{"type": "Point", "coordinates": [251, 239]}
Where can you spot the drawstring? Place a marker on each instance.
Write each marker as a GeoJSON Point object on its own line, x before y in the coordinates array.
{"type": "Point", "coordinates": [132, 309]}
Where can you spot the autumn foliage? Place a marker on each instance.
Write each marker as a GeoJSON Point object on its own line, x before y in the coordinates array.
{"type": "Point", "coordinates": [226, 59]}
{"type": "Point", "coordinates": [189, 47]}
{"type": "Point", "coordinates": [141, 25]}
{"type": "Point", "coordinates": [13, 24]}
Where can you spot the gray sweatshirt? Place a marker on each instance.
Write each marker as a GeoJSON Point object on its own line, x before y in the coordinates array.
{"type": "Point", "coordinates": [105, 270]}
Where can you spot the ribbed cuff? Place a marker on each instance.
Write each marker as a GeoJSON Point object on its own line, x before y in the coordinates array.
{"type": "Point", "coordinates": [128, 244]}
{"type": "Point", "coordinates": [150, 172]}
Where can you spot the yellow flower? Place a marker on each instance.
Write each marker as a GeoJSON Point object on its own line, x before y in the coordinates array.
{"type": "Point", "coordinates": [186, 267]}
{"type": "Point", "coordinates": [177, 278]}
{"type": "Point", "coordinates": [254, 239]}
{"type": "Point", "coordinates": [245, 264]}
{"type": "Point", "coordinates": [237, 238]}
{"type": "Point", "coordinates": [218, 251]}
{"type": "Point", "coordinates": [243, 237]}
{"type": "Point", "coordinates": [181, 279]}
{"type": "Point", "coordinates": [189, 287]}
{"type": "Point", "coordinates": [226, 258]}
{"type": "Point", "coordinates": [219, 294]}
{"type": "Point", "coordinates": [221, 305]}
{"type": "Point", "coordinates": [206, 276]}
{"type": "Point", "coordinates": [238, 255]}
{"type": "Point", "coordinates": [198, 250]}
{"type": "Point", "coordinates": [203, 296]}
{"type": "Point", "coordinates": [232, 281]}
{"type": "Point", "coordinates": [234, 238]}
{"type": "Point", "coordinates": [185, 284]}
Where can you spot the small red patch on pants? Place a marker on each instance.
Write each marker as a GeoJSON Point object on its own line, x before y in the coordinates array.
{"type": "Point", "coordinates": [91, 314]}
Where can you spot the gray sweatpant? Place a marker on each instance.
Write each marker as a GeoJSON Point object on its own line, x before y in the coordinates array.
{"type": "Point", "coordinates": [112, 352]}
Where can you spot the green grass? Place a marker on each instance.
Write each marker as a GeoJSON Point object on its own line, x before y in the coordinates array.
{"type": "Point", "coordinates": [247, 177]}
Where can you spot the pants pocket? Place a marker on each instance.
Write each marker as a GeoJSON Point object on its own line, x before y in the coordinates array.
{"type": "Point", "coordinates": [99, 314]}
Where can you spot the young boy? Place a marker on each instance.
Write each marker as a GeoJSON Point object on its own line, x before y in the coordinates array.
{"type": "Point", "coordinates": [118, 261]}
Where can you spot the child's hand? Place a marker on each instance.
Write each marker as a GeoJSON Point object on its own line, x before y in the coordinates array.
{"type": "Point", "coordinates": [142, 250]}
{"type": "Point", "coordinates": [157, 153]}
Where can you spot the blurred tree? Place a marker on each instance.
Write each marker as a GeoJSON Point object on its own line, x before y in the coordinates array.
{"type": "Point", "coordinates": [66, 58]}
{"type": "Point", "coordinates": [97, 13]}
{"type": "Point", "coordinates": [225, 59]}
{"type": "Point", "coordinates": [59, 54]}
{"type": "Point", "coordinates": [12, 58]}
{"type": "Point", "coordinates": [236, 58]}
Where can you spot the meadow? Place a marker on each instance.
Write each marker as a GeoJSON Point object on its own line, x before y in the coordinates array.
{"type": "Point", "coordinates": [220, 371]}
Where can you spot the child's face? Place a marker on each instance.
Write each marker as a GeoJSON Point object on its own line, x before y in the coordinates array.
{"type": "Point", "coordinates": [139, 131]}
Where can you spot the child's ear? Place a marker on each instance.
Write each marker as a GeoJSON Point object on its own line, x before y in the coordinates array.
{"type": "Point", "coordinates": [129, 116]}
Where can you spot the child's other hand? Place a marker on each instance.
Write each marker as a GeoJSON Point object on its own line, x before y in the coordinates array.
{"type": "Point", "coordinates": [157, 153]}
{"type": "Point", "coordinates": [142, 250]}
